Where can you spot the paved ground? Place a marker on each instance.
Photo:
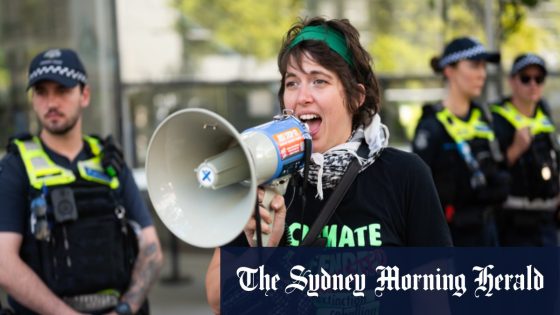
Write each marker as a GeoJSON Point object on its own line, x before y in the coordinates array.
{"type": "Point", "coordinates": [171, 297]}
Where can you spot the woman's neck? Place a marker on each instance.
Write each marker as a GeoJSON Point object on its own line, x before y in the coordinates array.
{"type": "Point", "coordinates": [457, 103]}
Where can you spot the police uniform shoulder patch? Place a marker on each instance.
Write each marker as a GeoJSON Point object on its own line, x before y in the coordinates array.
{"type": "Point", "coordinates": [421, 139]}
{"type": "Point", "coordinates": [11, 147]}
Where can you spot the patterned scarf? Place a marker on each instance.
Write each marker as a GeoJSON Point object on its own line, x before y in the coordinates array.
{"type": "Point", "coordinates": [327, 168]}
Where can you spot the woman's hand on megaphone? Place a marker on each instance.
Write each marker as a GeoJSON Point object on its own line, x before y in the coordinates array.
{"type": "Point", "coordinates": [275, 231]}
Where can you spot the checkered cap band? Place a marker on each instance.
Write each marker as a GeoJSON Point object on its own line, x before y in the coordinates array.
{"type": "Point", "coordinates": [462, 54]}
{"type": "Point", "coordinates": [59, 70]}
{"type": "Point", "coordinates": [528, 60]}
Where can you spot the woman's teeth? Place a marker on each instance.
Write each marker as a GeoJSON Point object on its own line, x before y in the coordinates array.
{"type": "Point", "coordinates": [306, 117]}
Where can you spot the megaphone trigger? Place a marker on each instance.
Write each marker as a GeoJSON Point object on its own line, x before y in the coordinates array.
{"type": "Point", "coordinates": [276, 187]}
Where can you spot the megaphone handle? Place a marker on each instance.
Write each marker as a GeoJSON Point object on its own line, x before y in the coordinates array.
{"type": "Point", "coordinates": [277, 187]}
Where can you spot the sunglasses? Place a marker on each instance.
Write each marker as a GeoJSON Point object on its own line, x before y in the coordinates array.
{"type": "Point", "coordinates": [526, 79]}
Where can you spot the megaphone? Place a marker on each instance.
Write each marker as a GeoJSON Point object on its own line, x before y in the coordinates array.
{"type": "Point", "coordinates": [202, 174]}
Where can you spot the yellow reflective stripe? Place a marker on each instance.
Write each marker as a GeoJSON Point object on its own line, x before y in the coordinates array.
{"type": "Point", "coordinates": [41, 170]}
{"type": "Point", "coordinates": [538, 124]}
{"type": "Point", "coordinates": [516, 121]}
{"type": "Point", "coordinates": [93, 144]}
{"type": "Point", "coordinates": [92, 171]}
{"type": "Point", "coordinates": [460, 130]}
{"type": "Point", "coordinates": [542, 124]}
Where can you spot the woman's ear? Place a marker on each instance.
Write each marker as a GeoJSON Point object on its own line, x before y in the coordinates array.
{"type": "Point", "coordinates": [447, 72]}
{"type": "Point", "coordinates": [362, 94]}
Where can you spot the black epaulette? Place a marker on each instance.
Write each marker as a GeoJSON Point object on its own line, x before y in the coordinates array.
{"type": "Point", "coordinates": [494, 144]}
{"type": "Point", "coordinates": [431, 109]}
{"type": "Point", "coordinates": [96, 136]}
{"type": "Point", "coordinates": [552, 136]}
{"type": "Point", "coordinates": [23, 136]}
{"type": "Point", "coordinates": [486, 112]}
{"type": "Point", "coordinates": [545, 108]}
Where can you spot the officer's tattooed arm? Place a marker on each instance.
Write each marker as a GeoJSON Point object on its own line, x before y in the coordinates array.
{"type": "Point", "coordinates": [146, 269]}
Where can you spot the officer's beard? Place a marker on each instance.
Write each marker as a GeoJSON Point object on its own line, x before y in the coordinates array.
{"type": "Point", "coordinates": [63, 129]}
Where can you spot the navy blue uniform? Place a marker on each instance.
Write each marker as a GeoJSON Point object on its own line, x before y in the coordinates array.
{"type": "Point", "coordinates": [15, 192]}
{"type": "Point", "coordinates": [469, 210]}
{"type": "Point", "coordinates": [528, 215]}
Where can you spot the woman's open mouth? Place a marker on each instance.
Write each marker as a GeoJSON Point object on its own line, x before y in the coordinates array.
{"type": "Point", "coordinates": [313, 122]}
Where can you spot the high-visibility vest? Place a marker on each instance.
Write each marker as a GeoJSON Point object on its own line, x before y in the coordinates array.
{"type": "Point", "coordinates": [537, 125]}
{"type": "Point", "coordinates": [42, 171]}
{"type": "Point", "coordinates": [460, 130]}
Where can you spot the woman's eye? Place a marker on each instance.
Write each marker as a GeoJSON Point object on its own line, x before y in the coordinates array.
{"type": "Point", "coordinates": [290, 84]}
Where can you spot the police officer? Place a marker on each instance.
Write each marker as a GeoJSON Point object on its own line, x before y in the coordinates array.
{"type": "Point", "coordinates": [455, 139]}
{"type": "Point", "coordinates": [75, 235]}
{"type": "Point", "coordinates": [527, 137]}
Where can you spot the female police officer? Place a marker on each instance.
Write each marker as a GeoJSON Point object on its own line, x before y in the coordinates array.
{"type": "Point", "coordinates": [455, 140]}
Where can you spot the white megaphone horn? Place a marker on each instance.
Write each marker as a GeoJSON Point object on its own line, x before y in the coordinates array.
{"type": "Point", "coordinates": [203, 175]}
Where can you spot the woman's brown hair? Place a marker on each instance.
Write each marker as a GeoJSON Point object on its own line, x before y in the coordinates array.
{"type": "Point", "coordinates": [359, 71]}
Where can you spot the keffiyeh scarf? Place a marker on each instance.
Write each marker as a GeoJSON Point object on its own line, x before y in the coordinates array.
{"type": "Point", "coordinates": [327, 168]}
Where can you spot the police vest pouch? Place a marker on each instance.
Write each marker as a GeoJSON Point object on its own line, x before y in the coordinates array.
{"type": "Point", "coordinates": [496, 190]}
{"type": "Point", "coordinates": [64, 205]}
{"type": "Point", "coordinates": [83, 262]}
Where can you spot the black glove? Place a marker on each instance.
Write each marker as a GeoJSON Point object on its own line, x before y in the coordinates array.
{"type": "Point", "coordinates": [112, 159]}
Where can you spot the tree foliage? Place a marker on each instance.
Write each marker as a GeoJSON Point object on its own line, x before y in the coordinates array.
{"type": "Point", "coordinates": [401, 35]}
{"type": "Point", "coordinates": [408, 33]}
{"type": "Point", "coordinates": [246, 26]}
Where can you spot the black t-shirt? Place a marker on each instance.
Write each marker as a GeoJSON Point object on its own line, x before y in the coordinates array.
{"type": "Point", "coordinates": [391, 203]}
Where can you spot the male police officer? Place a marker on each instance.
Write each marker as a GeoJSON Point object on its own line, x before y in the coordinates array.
{"type": "Point", "coordinates": [527, 137]}
{"type": "Point", "coordinates": [68, 205]}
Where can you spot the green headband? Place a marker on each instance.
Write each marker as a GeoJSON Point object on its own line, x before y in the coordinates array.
{"type": "Point", "coordinates": [334, 39]}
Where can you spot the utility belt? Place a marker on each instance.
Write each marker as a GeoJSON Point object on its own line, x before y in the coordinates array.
{"type": "Point", "coordinates": [516, 203]}
{"type": "Point", "coordinates": [101, 302]}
